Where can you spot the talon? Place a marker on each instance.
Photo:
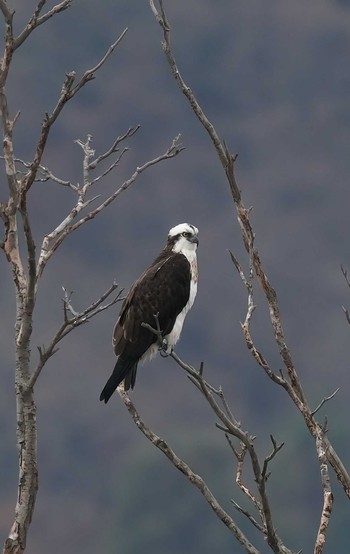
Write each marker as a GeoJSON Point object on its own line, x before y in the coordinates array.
{"type": "Point", "coordinates": [163, 348]}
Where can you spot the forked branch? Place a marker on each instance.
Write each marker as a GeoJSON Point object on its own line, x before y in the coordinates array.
{"type": "Point", "coordinates": [53, 240]}
{"type": "Point", "coordinates": [231, 426]}
{"type": "Point", "coordinates": [185, 469]}
{"type": "Point", "coordinates": [69, 89]}
{"type": "Point", "coordinates": [70, 323]}
{"type": "Point", "coordinates": [37, 19]}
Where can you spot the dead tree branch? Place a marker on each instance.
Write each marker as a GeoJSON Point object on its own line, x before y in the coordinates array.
{"type": "Point", "coordinates": [346, 277]}
{"type": "Point", "coordinates": [114, 148]}
{"type": "Point", "coordinates": [324, 400]}
{"type": "Point", "coordinates": [194, 478]}
{"type": "Point", "coordinates": [248, 516]}
{"type": "Point", "coordinates": [293, 385]}
{"type": "Point", "coordinates": [68, 324]}
{"type": "Point", "coordinates": [37, 19]}
{"type": "Point", "coordinates": [327, 492]}
{"type": "Point", "coordinates": [52, 241]}
{"type": "Point", "coordinates": [68, 91]}
{"type": "Point", "coordinates": [240, 455]}
{"type": "Point", "coordinates": [231, 427]}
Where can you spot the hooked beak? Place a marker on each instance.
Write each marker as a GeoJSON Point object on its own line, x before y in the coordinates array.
{"type": "Point", "coordinates": [194, 239]}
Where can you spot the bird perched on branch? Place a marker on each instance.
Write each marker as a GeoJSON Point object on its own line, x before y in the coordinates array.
{"type": "Point", "coordinates": [161, 297]}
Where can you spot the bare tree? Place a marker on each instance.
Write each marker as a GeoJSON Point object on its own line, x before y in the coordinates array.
{"type": "Point", "coordinates": [260, 515]}
{"type": "Point", "coordinates": [28, 262]}
{"type": "Point", "coordinates": [28, 257]}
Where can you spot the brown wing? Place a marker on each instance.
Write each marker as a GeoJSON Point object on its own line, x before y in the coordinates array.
{"type": "Point", "coordinates": [164, 289]}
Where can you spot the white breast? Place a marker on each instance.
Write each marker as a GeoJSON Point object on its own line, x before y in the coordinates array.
{"type": "Point", "coordinates": [174, 335]}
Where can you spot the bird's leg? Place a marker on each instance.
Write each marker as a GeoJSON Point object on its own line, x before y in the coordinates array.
{"type": "Point", "coordinates": [162, 343]}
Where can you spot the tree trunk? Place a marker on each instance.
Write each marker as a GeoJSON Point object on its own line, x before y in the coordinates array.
{"type": "Point", "coordinates": [28, 474]}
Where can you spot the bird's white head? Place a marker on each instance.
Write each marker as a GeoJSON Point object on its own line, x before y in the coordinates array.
{"type": "Point", "coordinates": [183, 238]}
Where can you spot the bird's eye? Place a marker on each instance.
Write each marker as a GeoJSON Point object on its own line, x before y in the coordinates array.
{"type": "Point", "coordinates": [186, 234]}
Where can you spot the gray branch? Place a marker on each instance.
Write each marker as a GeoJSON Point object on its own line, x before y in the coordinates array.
{"type": "Point", "coordinates": [68, 91]}
{"type": "Point", "coordinates": [293, 386]}
{"type": "Point", "coordinates": [53, 240]}
{"type": "Point", "coordinates": [327, 507]}
{"type": "Point", "coordinates": [70, 323]}
{"type": "Point", "coordinates": [232, 427]}
{"type": "Point", "coordinates": [324, 400]}
{"type": "Point", "coordinates": [114, 148]}
{"type": "Point", "coordinates": [185, 469]}
{"type": "Point", "coordinates": [37, 19]}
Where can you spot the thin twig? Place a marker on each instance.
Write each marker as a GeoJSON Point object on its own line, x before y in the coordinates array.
{"type": "Point", "coordinates": [347, 315]}
{"type": "Point", "coordinates": [67, 305]}
{"type": "Point", "coordinates": [249, 516]}
{"type": "Point", "coordinates": [110, 168]}
{"type": "Point", "coordinates": [267, 460]}
{"type": "Point", "coordinates": [90, 73]}
{"type": "Point", "coordinates": [114, 148]}
{"type": "Point", "coordinates": [53, 240]}
{"type": "Point", "coordinates": [68, 324]}
{"type": "Point", "coordinates": [239, 269]}
{"type": "Point", "coordinates": [240, 455]}
{"type": "Point", "coordinates": [37, 20]}
{"type": "Point", "coordinates": [345, 273]}
{"type": "Point", "coordinates": [68, 91]}
{"type": "Point", "coordinates": [227, 408]}
{"type": "Point", "coordinates": [48, 175]}
{"type": "Point", "coordinates": [248, 283]}
{"type": "Point", "coordinates": [324, 400]}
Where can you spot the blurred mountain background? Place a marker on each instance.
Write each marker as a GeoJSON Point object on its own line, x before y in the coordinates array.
{"type": "Point", "coordinates": [274, 78]}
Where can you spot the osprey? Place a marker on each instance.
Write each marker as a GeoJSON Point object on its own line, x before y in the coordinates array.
{"type": "Point", "coordinates": [166, 289]}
